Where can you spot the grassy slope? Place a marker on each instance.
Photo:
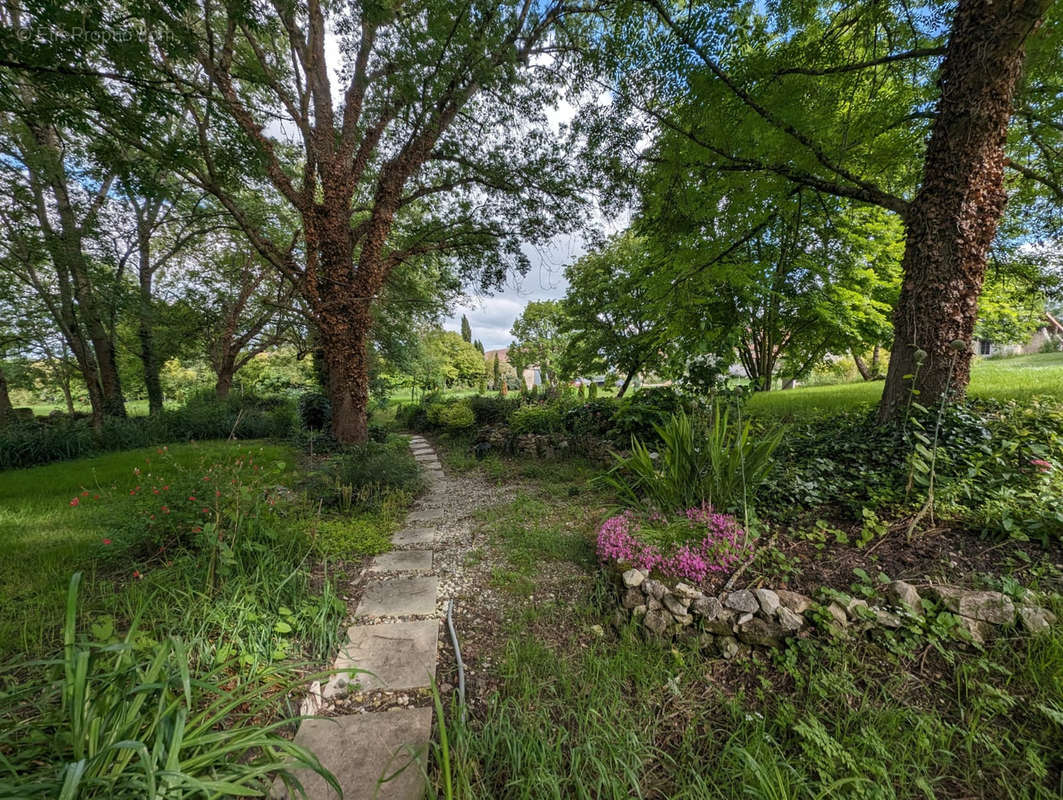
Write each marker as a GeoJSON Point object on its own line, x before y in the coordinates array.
{"type": "Point", "coordinates": [44, 539]}
{"type": "Point", "coordinates": [1004, 379]}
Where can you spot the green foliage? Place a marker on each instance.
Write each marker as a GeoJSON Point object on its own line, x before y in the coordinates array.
{"type": "Point", "coordinates": [130, 718]}
{"type": "Point", "coordinates": [203, 417]}
{"type": "Point", "coordinates": [607, 314]}
{"type": "Point", "coordinates": [639, 414]}
{"type": "Point", "coordinates": [366, 475]}
{"type": "Point", "coordinates": [457, 416]}
{"type": "Point", "coordinates": [490, 410]}
{"type": "Point", "coordinates": [718, 461]}
{"type": "Point", "coordinates": [593, 418]}
{"type": "Point", "coordinates": [362, 533]}
{"type": "Point", "coordinates": [540, 339]}
{"type": "Point", "coordinates": [315, 411]}
{"type": "Point", "coordinates": [536, 418]}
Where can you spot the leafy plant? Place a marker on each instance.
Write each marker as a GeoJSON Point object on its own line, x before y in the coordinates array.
{"type": "Point", "coordinates": [536, 418]}
{"type": "Point", "coordinates": [123, 721]}
{"type": "Point", "coordinates": [718, 461]}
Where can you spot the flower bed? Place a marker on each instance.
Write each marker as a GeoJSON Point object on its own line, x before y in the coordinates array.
{"type": "Point", "coordinates": [691, 546]}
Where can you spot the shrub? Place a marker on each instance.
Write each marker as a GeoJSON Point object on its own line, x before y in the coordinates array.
{"type": "Point", "coordinates": [691, 545]}
{"type": "Point", "coordinates": [493, 410]}
{"type": "Point", "coordinates": [315, 411]}
{"type": "Point", "coordinates": [639, 414]}
{"type": "Point", "coordinates": [536, 418]}
{"type": "Point", "coordinates": [593, 418]}
{"type": "Point", "coordinates": [457, 416]}
{"type": "Point", "coordinates": [716, 461]}
{"type": "Point", "coordinates": [366, 475]}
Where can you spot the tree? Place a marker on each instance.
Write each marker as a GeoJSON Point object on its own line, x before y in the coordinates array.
{"type": "Point", "coordinates": [458, 361]}
{"type": "Point", "coordinates": [776, 293]}
{"type": "Point", "coordinates": [57, 188]}
{"type": "Point", "coordinates": [243, 308]}
{"type": "Point", "coordinates": [840, 100]}
{"type": "Point", "coordinates": [466, 329]}
{"type": "Point", "coordinates": [540, 339]}
{"type": "Point", "coordinates": [607, 314]}
{"type": "Point", "coordinates": [496, 372]}
{"type": "Point", "coordinates": [439, 144]}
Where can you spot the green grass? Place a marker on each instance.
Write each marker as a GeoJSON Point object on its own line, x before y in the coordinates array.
{"type": "Point", "coordinates": [579, 713]}
{"type": "Point", "coordinates": [134, 408]}
{"type": "Point", "coordinates": [44, 539]}
{"type": "Point", "coordinates": [1018, 378]}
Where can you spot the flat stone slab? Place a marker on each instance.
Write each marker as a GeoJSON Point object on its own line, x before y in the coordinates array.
{"type": "Point", "coordinates": [402, 560]}
{"type": "Point", "coordinates": [399, 655]}
{"type": "Point", "coordinates": [360, 749]}
{"type": "Point", "coordinates": [409, 536]}
{"type": "Point", "coordinates": [425, 515]}
{"type": "Point", "coordinates": [397, 597]}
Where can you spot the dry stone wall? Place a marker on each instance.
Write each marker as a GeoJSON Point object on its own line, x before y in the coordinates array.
{"type": "Point", "coordinates": [761, 617]}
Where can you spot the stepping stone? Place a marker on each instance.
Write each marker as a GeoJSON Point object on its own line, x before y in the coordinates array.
{"type": "Point", "coordinates": [421, 448]}
{"type": "Point", "coordinates": [400, 655]}
{"type": "Point", "coordinates": [402, 560]}
{"type": "Point", "coordinates": [426, 515]}
{"type": "Point", "coordinates": [408, 536]}
{"type": "Point", "coordinates": [360, 749]}
{"type": "Point", "coordinates": [399, 597]}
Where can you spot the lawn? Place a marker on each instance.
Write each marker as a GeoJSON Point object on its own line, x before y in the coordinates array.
{"type": "Point", "coordinates": [45, 539]}
{"type": "Point", "coordinates": [1018, 378]}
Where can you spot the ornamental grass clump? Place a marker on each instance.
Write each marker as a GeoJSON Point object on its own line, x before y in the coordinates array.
{"type": "Point", "coordinates": [692, 545]}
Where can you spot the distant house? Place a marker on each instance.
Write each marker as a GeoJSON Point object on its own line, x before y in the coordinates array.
{"type": "Point", "coordinates": [531, 375]}
{"type": "Point", "coordinates": [1051, 331]}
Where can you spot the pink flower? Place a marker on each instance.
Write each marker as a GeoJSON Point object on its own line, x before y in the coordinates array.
{"type": "Point", "coordinates": [75, 502]}
{"type": "Point", "coordinates": [1041, 464]}
{"type": "Point", "coordinates": [106, 541]}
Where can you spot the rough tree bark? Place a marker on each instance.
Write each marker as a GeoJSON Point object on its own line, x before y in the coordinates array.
{"type": "Point", "coordinates": [953, 218]}
{"type": "Point", "coordinates": [7, 412]}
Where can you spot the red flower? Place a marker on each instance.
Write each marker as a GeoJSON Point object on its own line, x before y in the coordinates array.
{"type": "Point", "coordinates": [165, 510]}
{"type": "Point", "coordinates": [137, 575]}
{"type": "Point", "coordinates": [1041, 464]}
{"type": "Point", "coordinates": [85, 493]}
{"type": "Point", "coordinates": [166, 488]}
{"type": "Point", "coordinates": [197, 529]}
{"type": "Point", "coordinates": [106, 541]}
{"type": "Point", "coordinates": [75, 502]}
{"type": "Point", "coordinates": [206, 510]}
{"type": "Point", "coordinates": [95, 497]}
{"type": "Point", "coordinates": [191, 499]}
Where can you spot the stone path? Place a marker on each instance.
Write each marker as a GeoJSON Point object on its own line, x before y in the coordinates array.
{"type": "Point", "coordinates": [394, 642]}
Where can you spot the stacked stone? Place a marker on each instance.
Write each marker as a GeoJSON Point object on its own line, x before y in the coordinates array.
{"type": "Point", "coordinates": [767, 617]}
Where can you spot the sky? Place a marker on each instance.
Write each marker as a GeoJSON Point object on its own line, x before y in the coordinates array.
{"type": "Point", "coordinates": [491, 317]}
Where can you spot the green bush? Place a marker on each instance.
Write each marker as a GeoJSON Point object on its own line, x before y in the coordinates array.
{"type": "Point", "coordinates": [536, 418]}
{"type": "Point", "coordinates": [365, 476]}
{"type": "Point", "coordinates": [457, 416]}
{"type": "Point", "coordinates": [315, 411]}
{"type": "Point", "coordinates": [640, 414]}
{"type": "Point", "coordinates": [58, 438]}
{"type": "Point", "coordinates": [717, 460]}
{"type": "Point", "coordinates": [593, 418]}
{"type": "Point", "coordinates": [493, 410]}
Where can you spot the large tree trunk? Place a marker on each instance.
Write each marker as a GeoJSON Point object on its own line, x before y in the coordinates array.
{"type": "Point", "coordinates": [953, 219]}
{"type": "Point", "coordinates": [7, 412]}
{"type": "Point", "coordinates": [149, 358]}
{"type": "Point", "coordinates": [224, 383]}
{"type": "Point", "coordinates": [345, 347]}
